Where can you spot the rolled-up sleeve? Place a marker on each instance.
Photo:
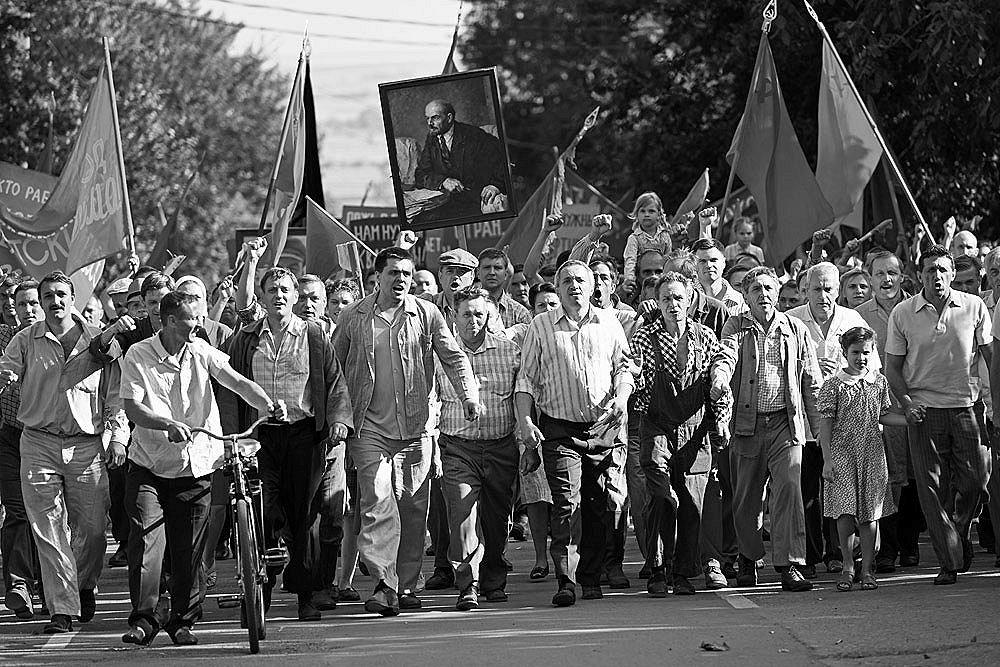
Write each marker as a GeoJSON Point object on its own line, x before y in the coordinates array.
{"type": "Point", "coordinates": [531, 353]}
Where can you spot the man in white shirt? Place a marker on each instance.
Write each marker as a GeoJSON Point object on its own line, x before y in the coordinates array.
{"type": "Point", "coordinates": [825, 321]}
{"type": "Point", "coordinates": [167, 391]}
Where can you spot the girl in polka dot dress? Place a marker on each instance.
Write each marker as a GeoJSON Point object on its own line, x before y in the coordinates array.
{"type": "Point", "coordinates": [852, 404]}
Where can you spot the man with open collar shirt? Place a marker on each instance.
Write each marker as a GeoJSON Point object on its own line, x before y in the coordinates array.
{"type": "Point", "coordinates": [387, 344]}
{"type": "Point", "coordinates": [293, 360]}
{"type": "Point", "coordinates": [768, 362]}
{"type": "Point", "coordinates": [577, 373]}
{"type": "Point", "coordinates": [67, 402]}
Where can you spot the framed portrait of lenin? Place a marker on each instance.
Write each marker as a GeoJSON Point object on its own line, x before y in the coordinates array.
{"type": "Point", "coordinates": [447, 150]}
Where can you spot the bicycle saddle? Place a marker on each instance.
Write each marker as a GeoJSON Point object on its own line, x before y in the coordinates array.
{"type": "Point", "coordinates": [246, 447]}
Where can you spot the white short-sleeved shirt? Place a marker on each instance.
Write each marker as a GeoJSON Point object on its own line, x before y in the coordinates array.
{"type": "Point", "coordinates": [178, 386]}
{"type": "Point", "coordinates": [939, 349]}
{"type": "Point", "coordinates": [828, 347]}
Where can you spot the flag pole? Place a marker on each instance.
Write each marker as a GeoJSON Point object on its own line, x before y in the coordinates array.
{"type": "Point", "coordinates": [126, 206]}
{"type": "Point", "coordinates": [281, 146]}
{"type": "Point", "coordinates": [769, 13]}
{"type": "Point", "coordinates": [871, 121]}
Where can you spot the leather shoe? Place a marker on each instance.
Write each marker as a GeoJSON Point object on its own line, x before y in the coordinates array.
{"type": "Point", "coordinates": [383, 601]}
{"type": "Point", "coordinates": [714, 579]}
{"type": "Point", "coordinates": [656, 587]}
{"type": "Point", "coordinates": [592, 593]}
{"type": "Point", "coordinates": [140, 633]}
{"type": "Point", "coordinates": [324, 600]}
{"type": "Point", "coordinates": [747, 573]}
{"type": "Point", "coordinates": [496, 595]}
{"type": "Point", "coordinates": [884, 565]}
{"type": "Point", "coordinates": [409, 601]}
{"type": "Point", "coordinates": [119, 558]}
{"type": "Point", "coordinates": [645, 572]}
{"type": "Point", "coordinates": [18, 600]}
{"type": "Point", "coordinates": [729, 570]}
{"type": "Point", "coordinates": [308, 611]}
{"type": "Point", "coordinates": [808, 571]}
{"type": "Point", "coordinates": [793, 581]}
{"type": "Point", "coordinates": [617, 579]}
{"type": "Point", "coordinates": [468, 600]}
{"type": "Point", "coordinates": [945, 577]}
{"type": "Point", "coordinates": [441, 579]}
{"type": "Point", "coordinates": [88, 605]}
{"type": "Point", "coordinates": [968, 553]}
{"type": "Point", "coordinates": [566, 595]}
{"type": "Point", "coordinates": [184, 637]}
{"type": "Point", "coordinates": [909, 560]}
{"type": "Point", "coordinates": [348, 594]}
{"type": "Point", "coordinates": [682, 586]}
{"type": "Point", "coordinates": [58, 624]}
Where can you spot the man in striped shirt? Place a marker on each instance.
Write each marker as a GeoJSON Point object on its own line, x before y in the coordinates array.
{"type": "Point", "coordinates": [577, 373]}
{"type": "Point", "coordinates": [479, 459]}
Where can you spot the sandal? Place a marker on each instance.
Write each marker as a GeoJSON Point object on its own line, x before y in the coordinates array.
{"type": "Point", "coordinates": [846, 583]}
{"type": "Point", "coordinates": [538, 573]}
{"type": "Point", "coordinates": [868, 582]}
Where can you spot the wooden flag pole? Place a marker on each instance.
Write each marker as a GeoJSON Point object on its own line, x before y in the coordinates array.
{"type": "Point", "coordinates": [871, 121]}
{"type": "Point", "coordinates": [126, 206]}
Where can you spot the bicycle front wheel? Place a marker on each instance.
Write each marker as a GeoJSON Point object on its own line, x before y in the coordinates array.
{"type": "Point", "coordinates": [253, 594]}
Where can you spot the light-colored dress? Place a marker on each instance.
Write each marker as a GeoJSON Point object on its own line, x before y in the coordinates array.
{"type": "Point", "coordinates": [860, 486]}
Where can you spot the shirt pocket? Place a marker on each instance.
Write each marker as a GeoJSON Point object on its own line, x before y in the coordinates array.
{"type": "Point", "coordinates": [501, 388]}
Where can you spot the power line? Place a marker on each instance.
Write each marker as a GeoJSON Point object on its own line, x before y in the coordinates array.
{"type": "Point", "coordinates": [145, 6]}
{"type": "Point", "coordinates": [336, 15]}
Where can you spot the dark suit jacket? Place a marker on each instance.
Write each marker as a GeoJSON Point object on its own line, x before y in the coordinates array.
{"type": "Point", "coordinates": [476, 160]}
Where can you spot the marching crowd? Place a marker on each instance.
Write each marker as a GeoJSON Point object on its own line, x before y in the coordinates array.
{"type": "Point", "coordinates": [688, 391]}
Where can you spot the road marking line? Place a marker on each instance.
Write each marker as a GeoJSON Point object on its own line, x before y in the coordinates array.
{"type": "Point", "coordinates": [737, 601]}
{"type": "Point", "coordinates": [60, 640]}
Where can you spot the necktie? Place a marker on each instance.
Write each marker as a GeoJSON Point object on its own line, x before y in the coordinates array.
{"type": "Point", "coordinates": [445, 154]}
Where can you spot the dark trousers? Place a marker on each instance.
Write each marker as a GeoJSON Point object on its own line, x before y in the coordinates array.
{"type": "Point", "coordinates": [819, 530]}
{"type": "Point", "coordinates": [582, 516]}
{"type": "Point", "coordinates": [478, 483]}
{"type": "Point", "coordinates": [166, 515]}
{"type": "Point", "coordinates": [718, 530]}
{"type": "Point", "coordinates": [330, 500]}
{"type": "Point", "coordinates": [20, 560]}
{"type": "Point", "coordinates": [437, 526]}
{"type": "Point", "coordinates": [676, 496]}
{"type": "Point", "coordinates": [120, 524]}
{"type": "Point", "coordinates": [951, 478]}
{"type": "Point", "coordinates": [619, 506]}
{"type": "Point", "coordinates": [900, 532]}
{"type": "Point", "coordinates": [291, 463]}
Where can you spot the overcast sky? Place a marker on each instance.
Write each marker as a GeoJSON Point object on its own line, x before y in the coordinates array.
{"type": "Point", "coordinates": [390, 40]}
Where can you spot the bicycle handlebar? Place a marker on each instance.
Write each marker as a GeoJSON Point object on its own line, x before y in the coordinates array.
{"type": "Point", "coordinates": [233, 436]}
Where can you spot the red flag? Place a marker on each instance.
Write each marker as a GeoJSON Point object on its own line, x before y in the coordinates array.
{"type": "Point", "coordinates": [767, 156]}
{"type": "Point", "coordinates": [90, 196]}
{"type": "Point", "coordinates": [296, 167]}
{"type": "Point", "coordinates": [547, 199]}
{"type": "Point", "coordinates": [324, 233]}
{"type": "Point", "coordinates": [848, 150]}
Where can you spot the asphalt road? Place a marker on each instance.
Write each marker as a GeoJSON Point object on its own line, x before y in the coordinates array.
{"type": "Point", "coordinates": [906, 621]}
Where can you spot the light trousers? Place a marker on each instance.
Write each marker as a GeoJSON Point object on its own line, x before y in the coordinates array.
{"type": "Point", "coordinates": [393, 492]}
{"type": "Point", "coordinates": [769, 453]}
{"type": "Point", "coordinates": [64, 483]}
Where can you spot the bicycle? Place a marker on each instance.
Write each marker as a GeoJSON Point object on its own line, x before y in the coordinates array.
{"type": "Point", "coordinates": [247, 507]}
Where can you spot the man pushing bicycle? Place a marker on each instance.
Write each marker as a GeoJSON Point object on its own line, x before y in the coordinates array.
{"type": "Point", "coordinates": [167, 392]}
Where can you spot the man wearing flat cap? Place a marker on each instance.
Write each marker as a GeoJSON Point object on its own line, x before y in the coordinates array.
{"type": "Point", "coordinates": [456, 272]}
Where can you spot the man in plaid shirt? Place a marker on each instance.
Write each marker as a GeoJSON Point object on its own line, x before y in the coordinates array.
{"type": "Point", "coordinates": [479, 458]}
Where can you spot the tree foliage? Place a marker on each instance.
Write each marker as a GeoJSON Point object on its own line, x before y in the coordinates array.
{"type": "Point", "coordinates": [672, 77]}
{"type": "Point", "coordinates": [184, 93]}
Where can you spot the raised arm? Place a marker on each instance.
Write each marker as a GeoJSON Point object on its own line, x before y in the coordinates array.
{"type": "Point", "coordinates": [534, 259]}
